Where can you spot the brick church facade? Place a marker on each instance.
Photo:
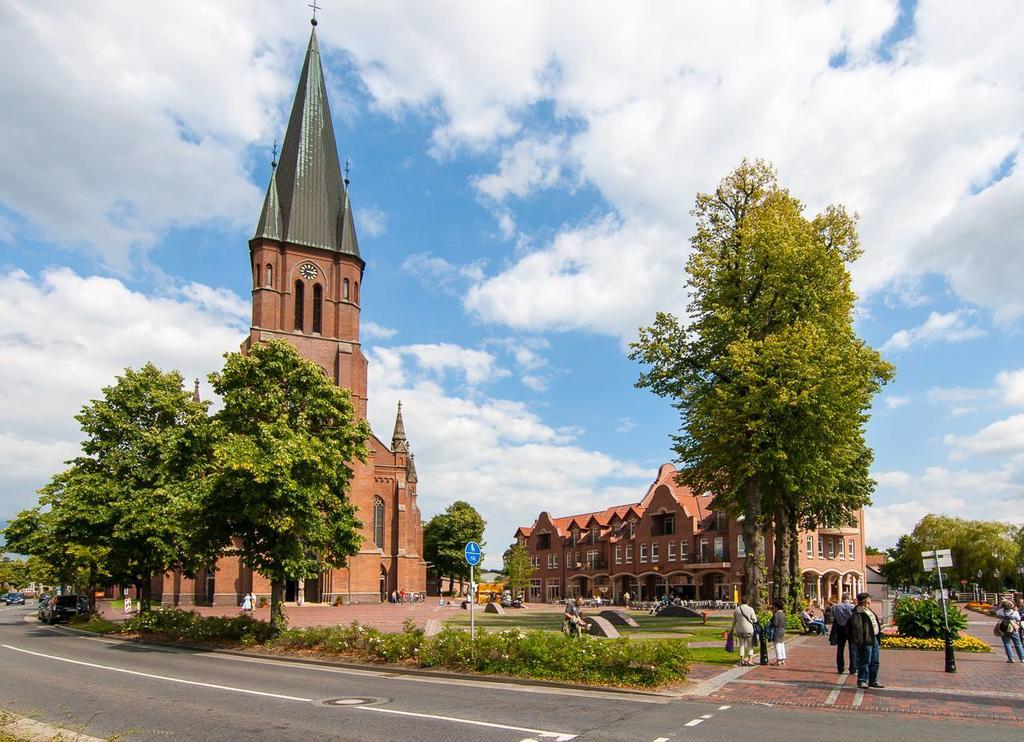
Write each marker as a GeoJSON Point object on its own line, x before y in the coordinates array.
{"type": "Point", "coordinates": [307, 275]}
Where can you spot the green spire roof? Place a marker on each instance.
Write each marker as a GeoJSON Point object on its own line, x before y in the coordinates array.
{"type": "Point", "coordinates": [307, 199]}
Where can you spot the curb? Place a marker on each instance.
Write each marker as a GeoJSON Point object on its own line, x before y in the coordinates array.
{"type": "Point", "coordinates": [383, 669]}
{"type": "Point", "coordinates": [30, 730]}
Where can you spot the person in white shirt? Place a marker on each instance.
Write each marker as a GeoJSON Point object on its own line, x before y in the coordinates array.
{"type": "Point", "coordinates": [1008, 629]}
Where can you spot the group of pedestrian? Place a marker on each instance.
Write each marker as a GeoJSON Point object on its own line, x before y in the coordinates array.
{"type": "Point", "coordinates": [856, 631]}
{"type": "Point", "coordinates": [1008, 628]}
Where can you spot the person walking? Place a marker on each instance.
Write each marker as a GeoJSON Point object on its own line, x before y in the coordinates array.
{"type": "Point", "coordinates": [841, 613]}
{"type": "Point", "coordinates": [247, 603]}
{"type": "Point", "coordinates": [865, 628]}
{"type": "Point", "coordinates": [625, 599]}
{"type": "Point", "coordinates": [1020, 610]}
{"type": "Point", "coordinates": [1008, 630]}
{"type": "Point", "coordinates": [778, 625]}
{"type": "Point", "coordinates": [743, 621]}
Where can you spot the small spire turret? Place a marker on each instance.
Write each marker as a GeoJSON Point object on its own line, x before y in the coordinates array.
{"type": "Point", "coordinates": [398, 440]}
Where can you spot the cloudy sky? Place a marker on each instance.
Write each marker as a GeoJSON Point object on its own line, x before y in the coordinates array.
{"type": "Point", "coordinates": [523, 176]}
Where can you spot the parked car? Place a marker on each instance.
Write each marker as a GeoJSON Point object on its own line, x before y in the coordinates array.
{"type": "Point", "coordinates": [63, 607]}
{"type": "Point", "coordinates": [14, 599]}
{"type": "Point", "coordinates": [43, 600]}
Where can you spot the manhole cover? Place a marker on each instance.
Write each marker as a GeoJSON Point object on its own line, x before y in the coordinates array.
{"type": "Point", "coordinates": [352, 701]}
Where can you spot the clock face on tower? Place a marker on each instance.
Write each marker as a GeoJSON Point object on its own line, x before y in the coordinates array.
{"type": "Point", "coordinates": [308, 271]}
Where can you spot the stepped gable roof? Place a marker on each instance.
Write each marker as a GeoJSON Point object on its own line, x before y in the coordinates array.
{"type": "Point", "coordinates": [307, 201]}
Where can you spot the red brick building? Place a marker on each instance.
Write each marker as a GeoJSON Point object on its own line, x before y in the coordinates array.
{"type": "Point", "coordinates": [676, 542]}
{"type": "Point", "coordinates": [307, 275]}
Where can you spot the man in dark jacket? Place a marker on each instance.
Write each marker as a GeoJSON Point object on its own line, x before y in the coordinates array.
{"type": "Point", "coordinates": [865, 628]}
{"type": "Point", "coordinates": [841, 614]}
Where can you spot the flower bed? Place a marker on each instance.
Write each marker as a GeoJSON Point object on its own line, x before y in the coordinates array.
{"type": "Point", "coordinates": [964, 643]}
{"type": "Point", "coordinates": [986, 608]}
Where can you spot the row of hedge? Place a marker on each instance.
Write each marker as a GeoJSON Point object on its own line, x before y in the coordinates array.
{"type": "Point", "coordinates": [535, 654]}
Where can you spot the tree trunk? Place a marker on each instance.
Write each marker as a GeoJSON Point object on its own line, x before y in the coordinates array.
{"type": "Point", "coordinates": [92, 588]}
{"type": "Point", "coordinates": [754, 583]}
{"type": "Point", "coordinates": [796, 578]}
{"type": "Point", "coordinates": [142, 603]}
{"type": "Point", "coordinates": [781, 554]}
{"type": "Point", "coordinates": [277, 617]}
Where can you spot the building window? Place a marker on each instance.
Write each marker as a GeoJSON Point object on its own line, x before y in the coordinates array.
{"type": "Point", "coordinates": [593, 535]}
{"type": "Point", "coordinates": [629, 553]}
{"type": "Point", "coordinates": [670, 524]}
{"type": "Point", "coordinates": [671, 551]}
{"type": "Point", "coordinates": [741, 548]}
{"type": "Point", "coordinates": [543, 541]}
{"type": "Point", "coordinates": [551, 561]}
{"type": "Point", "coordinates": [704, 555]}
{"type": "Point", "coordinates": [270, 276]}
{"type": "Point", "coordinates": [318, 301]}
{"type": "Point", "coordinates": [719, 549]}
{"type": "Point", "coordinates": [810, 547]}
{"type": "Point", "coordinates": [821, 547]}
{"type": "Point", "coordinates": [643, 553]}
{"type": "Point", "coordinates": [591, 559]}
{"type": "Point", "coordinates": [632, 529]}
{"type": "Point", "coordinates": [355, 291]}
{"type": "Point", "coordinates": [554, 590]}
{"type": "Point", "coordinates": [555, 557]}
{"type": "Point", "coordinates": [575, 536]}
{"type": "Point", "coordinates": [535, 589]}
{"type": "Point", "coordinates": [831, 548]}
{"type": "Point", "coordinates": [618, 555]}
{"type": "Point", "coordinates": [654, 551]}
{"type": "Point", "coordinates": [841, 551]}
{"type": "Point", "coordinates": [344, 289]}
{"type": "Point", "coordinates": [684, 550]}
{"type": "Point", "coordinates": [850, 544]}
{"type": "Point", "coordinates": [721, 521]}
{"type": "Point", "coordinates": [300, 304]}
{"type": "Point", "coordinates": [378, 522]}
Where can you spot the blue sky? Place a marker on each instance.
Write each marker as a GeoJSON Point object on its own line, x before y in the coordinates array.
{"type": "Point", "coordinates": [522, 178]}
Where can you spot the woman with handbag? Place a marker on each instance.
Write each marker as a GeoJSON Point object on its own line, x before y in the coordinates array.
{"type": "Point", "coordinates": [743, 621]}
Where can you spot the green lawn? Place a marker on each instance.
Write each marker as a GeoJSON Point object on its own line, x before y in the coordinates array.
{"type": "Point", "coordinates": [713, 656]}
{"type": "Point", "coordinates": [691, 629]}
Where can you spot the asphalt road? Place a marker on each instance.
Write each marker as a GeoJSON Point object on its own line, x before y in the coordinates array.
{"type": "Point", "coordinates": [106, 687]}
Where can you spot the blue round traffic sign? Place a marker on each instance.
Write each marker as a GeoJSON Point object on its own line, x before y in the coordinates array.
{"type": "Point", "coordinates": [473, 553]}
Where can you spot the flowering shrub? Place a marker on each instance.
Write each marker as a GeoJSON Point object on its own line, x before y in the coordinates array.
{"type": "Point", "coordinates": [535, 654]}
{"type": "Point", "coordinates": [171, 623]}
{"type": "Point", "coordinates": [965, 643]}
{"type": "Point", "coordinates": [980, 607]}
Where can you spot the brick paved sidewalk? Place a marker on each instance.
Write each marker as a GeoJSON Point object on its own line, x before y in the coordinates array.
{"type": "Point", "coordinates": [985, 686]}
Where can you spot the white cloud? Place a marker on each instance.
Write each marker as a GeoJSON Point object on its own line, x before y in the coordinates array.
{"type": "Point", "coordinates": [1001, 437]}
{"type": "Point", "coordinates": [113, 136]}
{"type": "Point", "coordinates": [951, 327]}
{"type": "Point", "coordinates": [932, 121]}
{"type": "Point", "coordinates": [529, 165]}
{"type": "Point", "coordinates": [374, 330]}
{"type": "Point", "coordinates": [494, 453]}
{"type": "Point", "coordinates": [894, 401]}
{"type": "Point", "coordinates": [435, 271]}
{"type": "Point", "coordinates": [66, 336]}
{"type": "Point", "coordinates": [536, 382]}
{"type": "Point", "coordinates": [625, 425]}
{"type": "Point", "coordinates": [372, 220]}
{"type": "Point", "coordinates": [474, 366]}
{"type": "Point", "coordinates": [1011, 384]}
{"type": "Point", "coordinates": [902, 499]}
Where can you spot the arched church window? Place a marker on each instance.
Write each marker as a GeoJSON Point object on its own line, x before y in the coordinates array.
{"type": "Point", "coordinates": [378, 522]}
{"type": "Point", "coordinates": [300, 304]}
{"type": "Point", "coordinates": [355, 291]}
{"type": "Point", "coordinates": [269, 280]}
{"type": "Point", "coordinates": [255, 275]}
{"type": "Point", "coordinates": [344, 289]}
{"type": "Point", "coordinates": [318, 300]}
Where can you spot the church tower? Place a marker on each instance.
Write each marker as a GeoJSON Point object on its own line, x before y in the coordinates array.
{"type": "Point", "coordinates": [306, 267]}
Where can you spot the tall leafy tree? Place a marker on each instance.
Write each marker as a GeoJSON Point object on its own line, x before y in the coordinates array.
{"type": "Point", "coordinates": [285, 443]}
{"type": "Point", "coordinates": [518, 568]}
{"type": "Point", "coordinates": [983, 551]}
{"type": "Point", "coordinates": [124, 508]}
{"type": "Point", "coordinates": [445, 537]}
{"type": "Point", "coordinates": [903, 566]}
{"type": "Point", "coordinates": [770, 380]}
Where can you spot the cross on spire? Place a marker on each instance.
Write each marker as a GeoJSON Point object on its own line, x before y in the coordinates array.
{"type": "Point", "coordinates": [315, 8]}
{"type": "Point", "coordinates": [348, 166]}
{"type": "Point", "coordinates": [273, 161]}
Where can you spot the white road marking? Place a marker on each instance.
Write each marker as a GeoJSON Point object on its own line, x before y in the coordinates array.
{"type": "Point", "coordinates": [559, 736]}
{"type": "Point", "coordinates": [693, 722]}
{"type": "Point", "coordinates": [161, 677]}
{"type": "Point", "coordinates": [858, 698]}
{"type": "Point", "coordinates": [661, 739]}
{"type": "Point", "coordinates": [723, 708]}
{"type": "Point", "coordinates": [833, 696]}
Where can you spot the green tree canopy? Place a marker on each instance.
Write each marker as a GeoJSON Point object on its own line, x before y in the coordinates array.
{"type": "Point", "coordinates": [285, 443]}
{"type": "Point", "coordinates": [518, 569]}
{"type": "Point", "coordinates": [445, 537]}
{"type": "Point", "coordinates": [771, 382]}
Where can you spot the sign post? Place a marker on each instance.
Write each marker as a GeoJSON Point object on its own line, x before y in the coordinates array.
{"type": "Point", "coordinates": [936, 560]}
{"type": "Point", "coordinates": [472, 559]}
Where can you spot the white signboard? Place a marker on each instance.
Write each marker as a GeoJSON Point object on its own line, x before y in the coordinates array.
{"type": "Point", "coordinates": [937, 558]}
